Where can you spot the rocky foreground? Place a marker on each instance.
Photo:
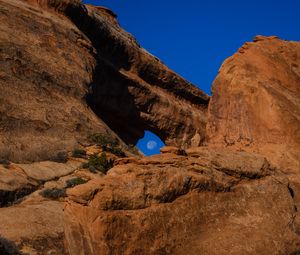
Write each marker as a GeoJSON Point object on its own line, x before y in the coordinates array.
{"type": "Point", "coordinates": [77, 91]}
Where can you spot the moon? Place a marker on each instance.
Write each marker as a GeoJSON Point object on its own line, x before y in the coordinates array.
{"type": "Point", "coordinates": [151, 145]}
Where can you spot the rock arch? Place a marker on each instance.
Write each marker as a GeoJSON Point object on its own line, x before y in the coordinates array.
{"type": "Point", "coordinates": [134, 91]}
{"type": "Point", "coordinates": [43, 107]}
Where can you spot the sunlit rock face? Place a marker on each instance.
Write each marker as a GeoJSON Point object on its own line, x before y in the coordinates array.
{"type": "Point", "coordinates": [207, 201]}
{"type": "Point", "coordinates": [227, 183]}
{"type": "Point", "coordinates": [256, 95]}
{"type": "Point", "coordinates": [256, 102]}
{"type": "Point", "coordinates": [214, 199]}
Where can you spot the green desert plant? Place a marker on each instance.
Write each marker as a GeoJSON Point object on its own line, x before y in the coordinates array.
{"type": "Point", "coordinates": [60, 157]}
{"type": "Point", "coordinates": [98, 163]}
{"type": "Point", "coordinates": [75, 181]}
{"type": "Point", "coordinates": [4, 162]}
{"type": "Point", "coordinates": [116, 151]}
{"type": "Point", "coordinates": [79, 153]}
{"type": "Point", "coordinates": [133, 149]}
{"type": "Point", "coordinates": [107, 144]}
{"type": "Point", "coordinates": [54, 193]}
{"type": "Point", "coordinates": [103, 140]}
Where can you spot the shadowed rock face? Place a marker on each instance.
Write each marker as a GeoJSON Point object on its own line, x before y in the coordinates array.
{"type": "Point", "coordinates": [131, 86]}
{"type": "Point", "coordinates": [46, 68]}
{"type": "Point", "coordinates": [69, 70]}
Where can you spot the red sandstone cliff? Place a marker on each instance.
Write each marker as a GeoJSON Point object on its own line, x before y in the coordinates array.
{"type": "Point", "coordinates": [255, 105]}
{"type": "Point", "coordinates": [66, 64]}
{"type": "Point", "coordinates": [68, 70]}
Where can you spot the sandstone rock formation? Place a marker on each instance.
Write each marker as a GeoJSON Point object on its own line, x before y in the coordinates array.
{"type": "Point", "coordinates": [255, 105]}
{"type": "Point", "coordinates": [66, 63]}
{"type": "Point", "coordinates": [68, 70]}
{"type": "Point", "coordinates": [14, 184]}
{"type": "Point", "coordinates": [209, 202]}
{"type": "Point", "coordinates": [249, 111]}
{"type": "Point", "coordinates": [30, 221]}
{"type": "Point", "coordinates": [256, 101]}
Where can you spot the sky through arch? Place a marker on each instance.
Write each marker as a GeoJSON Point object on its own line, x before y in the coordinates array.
{"type": "Point", "coordinates": [194, 37]}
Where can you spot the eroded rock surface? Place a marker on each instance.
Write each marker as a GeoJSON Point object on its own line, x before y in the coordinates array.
{"type": "Point", "coordinates": [14, 184]}
{"type": "Point", "coordinates": [256, 101]}
{"type": "Point", "coordinates": [36, 228]}
{"type": "Point", "coordinates": [66, 64]}
{"type": "Point", "coordinates": [45, 73]}
{"type": "Point", "coordinates": [31, 217]}
{"type": "Point", "coordinates": [209, 202]}
{"type": "Point", "coordinates": [69, 70]}
{"type": "Point", "coordinates": [256, 95]}
{"type": "Point", "coordinates": [48, 170]}
{"type": "Point", "coordinates": [140, 90]}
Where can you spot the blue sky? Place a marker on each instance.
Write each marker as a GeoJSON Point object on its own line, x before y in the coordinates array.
{"type": "Point", "coordinates": [150, 144]}
{"type": "Point", "coordinates": [194, 37]}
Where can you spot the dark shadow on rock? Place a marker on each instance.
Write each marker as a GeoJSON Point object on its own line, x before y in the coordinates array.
{"type": "Point", "coordinates": [8, 198]}
{"type": "Point", "coordinates": [110, 99]}
{"type": "Point", "coordinates": [9, 248]}
{"type": "Point", "coordinates": [122, 98]}
{"type": "Point", "coordinates": [46, 245]}
{"type": "Point", "coordinates": [108, 94]}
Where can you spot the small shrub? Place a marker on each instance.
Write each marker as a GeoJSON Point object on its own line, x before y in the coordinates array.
{"type": "Point", "coordinates": [53, 193]}
{"type": "Point", "coordinates": [4, 162]}
{"type": "Point", "coordinates": [85, 165]}
{"type": "Point", "coordinates": [99, 163]}
{"type": "Point", "coordinates": [60, 157]}
{"type": "Point", "coordinates": [75, 181]}
{"type": "Point", "coordinates": [108, 144]}
{"type": "Point", "coordinates": [92, 169]}
{"type": "Point", "coordinates": [133, 149]}
{"type": "Point", "coordinates": [79, 153]}
{"type": "Point", "coordinates": [116, 151]}
{"type": "Point", "coordinates": [103, 140]}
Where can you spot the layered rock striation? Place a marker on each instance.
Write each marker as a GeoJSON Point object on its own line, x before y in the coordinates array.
{"type": "Point", "coordinates": [66, 65]}
{"type": "Point", "coordinates": [256, 102]}
{"type": "Point", "coordinates": [208, 202]}
{"type": "Point", "coordinates": [256, 95]}
{"type": "Point", "coordinates": [229, 182]}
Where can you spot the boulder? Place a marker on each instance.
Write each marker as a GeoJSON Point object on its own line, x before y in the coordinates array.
{"type": "Point", "coordinates": [256, 102]}
{"type": "Point", "coordinates": [48, 170]}
{"type": "Point", "coordinates": [211, 202]}
{"type": "Point", "coordinates": [173, 150]}
{"type": "Point", "coordinates": [14, 185]}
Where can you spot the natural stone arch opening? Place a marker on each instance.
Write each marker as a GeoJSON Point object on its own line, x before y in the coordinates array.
{"type": "Point", "coordinates": [133, 91]}
{"type": "Point", "coordinates": [130, 106]}
{"type": "Point", "coordinates": [150, 144]}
